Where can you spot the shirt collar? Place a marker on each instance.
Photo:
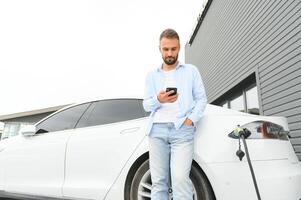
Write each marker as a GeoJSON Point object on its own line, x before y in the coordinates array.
{"type": "Point", "coordinates": [159, 69]}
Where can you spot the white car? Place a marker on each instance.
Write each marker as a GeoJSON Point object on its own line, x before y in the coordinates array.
{"type": "Point", "coordinates": [99, 150]}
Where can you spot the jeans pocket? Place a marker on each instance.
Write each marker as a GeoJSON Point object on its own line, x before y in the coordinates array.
{"type": "Point", "coordinates": [188, 128]}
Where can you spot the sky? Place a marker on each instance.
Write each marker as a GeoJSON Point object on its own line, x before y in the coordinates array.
{"type": "Point", "coordinates": [60, 52]}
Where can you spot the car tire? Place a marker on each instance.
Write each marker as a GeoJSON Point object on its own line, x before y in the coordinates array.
{"type": "Point", "coordinates": [141, 184]}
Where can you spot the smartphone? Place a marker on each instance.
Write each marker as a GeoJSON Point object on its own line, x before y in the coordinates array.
{"type": "Point", "coordinates": [172, 88]}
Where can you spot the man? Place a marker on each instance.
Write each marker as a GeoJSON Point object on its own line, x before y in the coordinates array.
{"type": "Point", "coordinates": [173, 120]}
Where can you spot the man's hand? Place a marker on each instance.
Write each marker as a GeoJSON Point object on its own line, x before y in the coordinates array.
{"type": "Point", "coordinates": [188, 122]}
{"type": "Point", "coordinates": [164, 97]}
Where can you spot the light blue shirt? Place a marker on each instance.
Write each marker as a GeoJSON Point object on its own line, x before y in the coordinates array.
{"type": "Point", "coordinates": [192, 97]}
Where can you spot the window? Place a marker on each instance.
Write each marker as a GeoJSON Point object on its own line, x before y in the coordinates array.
{"type": "Point", "coordinates": [225, 105]}
{"type": "Point", "coordinates": [247, 101]}
{"type": "Point", "coordinates": [252, 100]}
{"type": "Point", "coordinates": [237, 103]}
{"type": "Point", "coordinates": [110, 111]}
{"type": "Point", "coordinates": [12, 129]}
{"type": "Point", "coordinates": [63, 120]}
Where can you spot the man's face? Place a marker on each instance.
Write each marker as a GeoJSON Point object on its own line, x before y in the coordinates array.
{"type": "Point", "coordinates": [169, 49]}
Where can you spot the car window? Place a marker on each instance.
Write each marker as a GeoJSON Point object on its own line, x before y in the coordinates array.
{"type": "Point", "coordinates": [110, 111]}
{"type": "Point", "coordinates": [63, 120]}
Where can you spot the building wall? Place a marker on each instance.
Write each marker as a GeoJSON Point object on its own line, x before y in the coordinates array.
{"type": "Point", "coordinates": [30, 119]}
{"type": "Point", "coordinates": [240, 39]}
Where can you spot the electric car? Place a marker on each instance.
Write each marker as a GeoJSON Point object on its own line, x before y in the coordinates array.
{"type": "Point", "coordinates": [99, 150]}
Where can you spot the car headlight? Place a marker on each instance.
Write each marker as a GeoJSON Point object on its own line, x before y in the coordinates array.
{"type": "Point", "coordinates": [263, 130]}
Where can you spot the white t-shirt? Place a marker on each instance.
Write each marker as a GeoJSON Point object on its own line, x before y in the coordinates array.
{"type": "Point", "coordinates": [168, 111]}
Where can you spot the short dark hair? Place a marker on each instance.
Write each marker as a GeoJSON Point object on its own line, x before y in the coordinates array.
{"type": "Point", "coordinates": [170, 34]}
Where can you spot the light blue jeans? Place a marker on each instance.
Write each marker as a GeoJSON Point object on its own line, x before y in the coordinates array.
{"type": "Point", "coordinates": [171, 152]}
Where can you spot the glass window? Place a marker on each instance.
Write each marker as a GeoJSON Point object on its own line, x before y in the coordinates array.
{"type": "Point", "coordinates": [63, 120]}
{"type": "Point", "coordinates": [225, 105]}
{"type": "Point", "coordinates": [237, 103]}
{"type": "Point", "coordinates": [110, 111]}
{"type": "Point", "coordinates": [12, 129]}
{"type": "Point", "coordinates": [252, 100]}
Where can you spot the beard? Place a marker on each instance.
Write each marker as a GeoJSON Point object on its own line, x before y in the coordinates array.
{"type": "Point", "coordinates": [170, 60]}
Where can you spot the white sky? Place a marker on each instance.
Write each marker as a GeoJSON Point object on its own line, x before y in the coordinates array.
{"type": "Point", "coordinates": [59, 52]}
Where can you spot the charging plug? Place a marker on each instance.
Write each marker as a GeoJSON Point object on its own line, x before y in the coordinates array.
{"type": "Point", "coordinates": [240, 154]}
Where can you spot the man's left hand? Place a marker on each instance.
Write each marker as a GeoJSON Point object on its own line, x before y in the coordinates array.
{"type": "Point", "coordinates": [188, 122]}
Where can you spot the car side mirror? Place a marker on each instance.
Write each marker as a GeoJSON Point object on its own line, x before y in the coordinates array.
{"type": "Point", "coordinates": [28, 130]}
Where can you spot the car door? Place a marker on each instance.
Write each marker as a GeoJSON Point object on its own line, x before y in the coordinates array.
{"type": "Point", "coordinates": [96, 153]}
{"type": "Point", "coordinates": [35, 164]}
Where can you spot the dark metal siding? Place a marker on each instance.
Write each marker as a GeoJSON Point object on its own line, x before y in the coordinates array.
{"type": "Point", "coordinates": [238, 38]}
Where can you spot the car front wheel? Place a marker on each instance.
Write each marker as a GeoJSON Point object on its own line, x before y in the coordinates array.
{"type": "Point", "coordinates": [141, 185]}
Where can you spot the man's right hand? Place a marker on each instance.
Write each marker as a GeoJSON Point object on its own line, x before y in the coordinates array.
{"type": "Point", "coordinates": [163, 97]}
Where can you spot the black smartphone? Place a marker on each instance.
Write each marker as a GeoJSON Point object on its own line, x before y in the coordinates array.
{"type": "Point", "coordinates": [173, 89]}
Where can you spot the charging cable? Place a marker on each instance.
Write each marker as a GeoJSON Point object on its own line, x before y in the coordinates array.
{"type": "Point", "coordinates": [244, 133]}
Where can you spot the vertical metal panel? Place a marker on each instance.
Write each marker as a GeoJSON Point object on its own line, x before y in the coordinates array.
{"type": "Point", "coordinates": [238, 38]}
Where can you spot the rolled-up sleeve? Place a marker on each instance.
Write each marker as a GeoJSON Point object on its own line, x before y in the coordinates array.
{"type": "Point", "coordinates": [150, 101]}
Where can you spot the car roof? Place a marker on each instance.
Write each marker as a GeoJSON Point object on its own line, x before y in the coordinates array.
{"type": "Point", "coordinates": [90, 101]}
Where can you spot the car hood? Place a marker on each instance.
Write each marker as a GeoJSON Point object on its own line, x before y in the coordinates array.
{"type": "Point", "coordinates": [220, 111]}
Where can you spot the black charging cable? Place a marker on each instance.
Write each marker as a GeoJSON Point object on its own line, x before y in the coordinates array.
{"type": "Point", "coordinates": [244, 133]}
